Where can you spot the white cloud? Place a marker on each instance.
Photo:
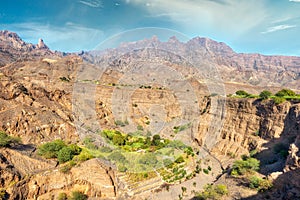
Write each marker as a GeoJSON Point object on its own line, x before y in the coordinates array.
{"type": "Point", "coordinates": [294, 0]}
{"type": "Point", "coordinates": [69, 38]}
{"type": "Point", "coordinates": [92, 3]}
{"type": "Point", "coordinates": [278, 28]}
{"type": "Point", "coordinates": [227, 17]}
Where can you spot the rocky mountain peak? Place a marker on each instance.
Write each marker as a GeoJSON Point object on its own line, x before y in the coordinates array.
{"type": "Point", "coordinates": [11, 39]}
{"type": "Point", "coordinates": [13, 48]}
{"type": "Point", "coordinates": [41, 44]}
{"type": "Point", "coordinates": [211, 45]}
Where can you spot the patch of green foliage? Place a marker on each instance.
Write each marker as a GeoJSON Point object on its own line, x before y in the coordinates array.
{"type": "Point", "coordinates": [58, 149]}
{"type": "Point", "coordinates": [62, 196]}
{"type": "Point", "coordinates": [76, 195]}
{"type": "Point", "coordinates": [285, 92]}
{"type": "Point", "coordinates": [248, 164]}
{"type": "Point", "coordinates": [265, 94]}
{"type": "Point", "coordinates": [7, 141]}
{"type": "Point", "coordinates": [259, 183]}
{"type": "Point", "coordinates": [51, 149]}
{"type": "Point", "coordinates": [241, 93]}
{"type": "Point", "coordinates": [212, 192]}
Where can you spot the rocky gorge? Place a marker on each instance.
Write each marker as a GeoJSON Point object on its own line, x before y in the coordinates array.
{"type": "Point", "coordinates": [48, 95]}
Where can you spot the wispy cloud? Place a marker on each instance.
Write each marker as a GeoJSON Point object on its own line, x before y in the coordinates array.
{"type": "Point", "coordinates": [295, 1]}
{"type": "Point", "coordinates": [209, 16]}
{"type": "Point", "coordinates": [92, 3]}
{"type": "Point", "coordinates": [278, 28]}
{"type": "Point", "coordinates": [69, 38]}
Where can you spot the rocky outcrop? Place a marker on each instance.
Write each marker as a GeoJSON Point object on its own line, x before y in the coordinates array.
{"type": "Point", "coordinates": [13, 48]}
{"type": "Point", "coordinates": [91, 177]}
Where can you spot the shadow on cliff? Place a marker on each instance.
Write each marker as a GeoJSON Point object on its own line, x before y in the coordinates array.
{"type": "Point", "coordinates": [286, 186]}
{"type": "Point", "coordinates": [273, 159]}
{"type": "Point", "coordinates": [275, 151]}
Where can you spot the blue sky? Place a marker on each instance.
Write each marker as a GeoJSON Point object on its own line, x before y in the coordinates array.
{"type": "Point", "coordinates": [257, 26]}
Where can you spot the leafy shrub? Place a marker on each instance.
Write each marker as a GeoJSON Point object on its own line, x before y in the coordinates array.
{"type": "Point", "coordinates": [6, 140]}
{"type": "Point", "coordinates": [67, 153]}
{"type": "Point", "coordinates": [212, 192]}
{"type": "Point", "coordinates": [62, 196]}
{"type": "Point", "coordinates": [240, 167]}
{"type": "Point", "coordinates": [265, 94]}
{"type": "Point", "coordinates": [51, 149]}
{"type": "Point", "coordinates": [156, 140]}
{"type": "Point", "coordinates": [76, 195]}
{"type": "Point", "coordinates": [241, 93]}
{"type": "Point", "coordinates": [84, 155]}
{"type": "Point", "coordinates": [206, 171]}
{"type": "Point", "coordinates": [259, 183]}
{"type": "Point", "coordinates": [285, 92]}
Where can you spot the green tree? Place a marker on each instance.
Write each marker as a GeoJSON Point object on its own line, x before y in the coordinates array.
{"type": "Point", "coordinates": [241, 93]}
{"type": "Point", "coordinates": [285, 92]}
{"type": "Point", "coordinates": [6, 140]}
{"type": "Point", "coordinates": [156, 140]}
{"type": "Point", "coordinates": [51, 149]}
{"type": "Point", "coordinates": [265, 94]}
{"type": "Point", "coordinates": [65, 154]}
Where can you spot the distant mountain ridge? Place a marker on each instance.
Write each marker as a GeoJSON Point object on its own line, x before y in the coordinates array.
{"type": "Point", "coordinates": [254, 69]}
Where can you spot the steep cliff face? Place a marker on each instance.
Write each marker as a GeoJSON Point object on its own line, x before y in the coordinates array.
{"type": "Point", "coordinates": [248, 124]}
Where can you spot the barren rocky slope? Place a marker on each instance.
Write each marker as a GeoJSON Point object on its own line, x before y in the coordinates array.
{"type": "Point", "coordinates": [50, 96]}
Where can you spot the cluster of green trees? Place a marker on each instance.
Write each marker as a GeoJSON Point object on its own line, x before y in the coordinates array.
{"type": "Point", "coordinates": [133, 143]}
{"type": "Point", "coordinates": [7, 141]}
{"type": "Point", "coordinates": [279, 97]}
{"type": "Point", "coordinates": [60, 150]}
